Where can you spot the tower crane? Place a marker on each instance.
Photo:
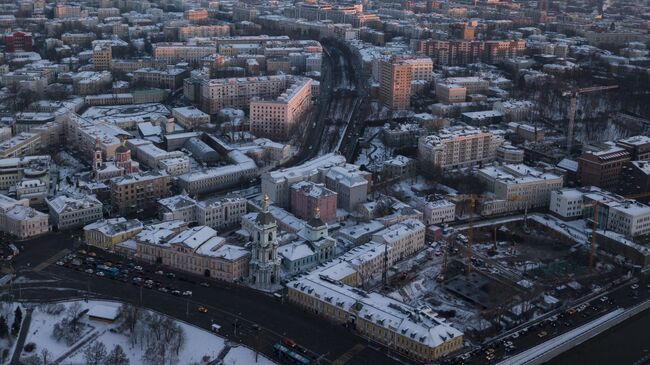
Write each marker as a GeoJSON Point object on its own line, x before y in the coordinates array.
{"type": "Point", "coordinates": [573, 105]}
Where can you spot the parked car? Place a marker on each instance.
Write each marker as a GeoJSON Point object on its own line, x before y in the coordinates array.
{"type": "Point", "coordinates": [187, 293]}
{"type": "Point", "coordinates": [205, 285]}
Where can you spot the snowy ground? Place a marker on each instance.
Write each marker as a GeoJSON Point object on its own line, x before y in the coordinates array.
{"type": "Point", "coordinates": [243, 356]}
{"type": "Point", "coordinates": [424, 289]}
{"type": "Point", "coordinates": [199, 344]}
{"type": "Point", "coordinates": [7, 311]}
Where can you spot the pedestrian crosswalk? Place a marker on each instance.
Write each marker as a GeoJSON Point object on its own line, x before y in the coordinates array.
{"type": "Point", "coordinates": [348, 355]}
{"type": "Point", "coordinates": [56, 257]}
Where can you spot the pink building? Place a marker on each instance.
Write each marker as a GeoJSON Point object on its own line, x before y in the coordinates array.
{"type": "Point", "coordinates": [306, 196]}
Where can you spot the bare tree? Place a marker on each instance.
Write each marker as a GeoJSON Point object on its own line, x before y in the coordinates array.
{"type": "Point", "coordinates": [117, 357]}
{"type": "Point", "coordinates": [95, 353]}
{"type": "Point", "coordinates": [45, 356]}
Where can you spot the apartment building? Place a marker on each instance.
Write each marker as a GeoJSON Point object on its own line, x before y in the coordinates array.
{"type": "Point", "coordinates": [395, 83]}
{"type": "Point", "coordinates": [170, 78]}
{"type": "Point", "coordinates": [217, 94]}
{"type": "Point", "coordinates": [203, 31]}
{"type": "Point", "coordinates": [459, 146]}
{"type": "Point", "coordinates": [68, 212]}
{"type": "Point", "coordinates": [139, 192]}
{"type": "Point", "coordinates": [173, 53]}
{"type": "Point", "coordinates": [463, 52]}
{"type": "Point", "coordinates": [102, 56]}
{"type": "Point", "coordinates": [277, 119]}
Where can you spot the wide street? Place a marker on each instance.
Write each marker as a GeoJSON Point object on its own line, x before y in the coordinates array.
{"type": "Point", "coordinates": [239, 310]}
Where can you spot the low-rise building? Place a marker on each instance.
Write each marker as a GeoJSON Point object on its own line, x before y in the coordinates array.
{"type": "Point", "coordinates": [436, 210]}
{"type": "Point", "coordinates": [190, 117]}
{"type": "Point", "coordinates": [516, 187]}
{"type": "Point", "coordinates": [22, 144]}
{"type": "Point", "coordinates": [107, 233]}
{"type": "Point", "coordinates": [19, 220]}
{"type": "Point", "coordinates": [67, 212]}
{"type": "Point", "coordinates": [196, 250]}
{"type": "Point", "coordinates": [418, 333]}
{"type": "Point", "coordinates": [399, 167]}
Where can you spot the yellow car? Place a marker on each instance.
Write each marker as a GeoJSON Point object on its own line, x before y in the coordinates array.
{"type": "Point", "coordinates": [542, 334]}
{"type": "Point", "coordinates": [203, 309]}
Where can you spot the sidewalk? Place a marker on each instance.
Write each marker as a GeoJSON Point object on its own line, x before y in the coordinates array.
{"type": "Point", "coordinates": [20, 343]}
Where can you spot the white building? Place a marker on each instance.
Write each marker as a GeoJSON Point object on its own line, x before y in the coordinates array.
{"type": "Point", "coordinates": [264, 269]}
{"type": "Point", "coordinates": [216, 213]}
{"type": "Point", "coordinates": [68, 212]}
{"type": "Point", "coordinates": [350, 184]}
{"type": "Point", "coordinates": [19, 220]}
{"type": "Point", "coordinates": [459, 146]}
{"type": "Point", "coordinates": [190, 117]}
{"type": "Point", "coordinates": [277, 184]}
{"type": "Point", "coordinates": [518, 186]}
{"type": "Point", "coordinates": [613, 212]}
{"type": "Point", "coordinates": [436, 211]}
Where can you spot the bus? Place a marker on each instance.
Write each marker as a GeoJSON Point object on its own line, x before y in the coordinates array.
{"type": "Point", "coordinates": [108, 270]}
{"type": "Point", "coordinates": [289, 356]}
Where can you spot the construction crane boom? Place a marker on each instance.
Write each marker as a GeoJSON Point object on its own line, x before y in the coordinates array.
{"type": "Point", "coordinates": [573, 106]}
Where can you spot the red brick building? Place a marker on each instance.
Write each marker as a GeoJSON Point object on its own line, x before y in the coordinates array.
{"type": "Point", "coordinates": [18, 41]}
{"type": "Point", "coordinates": [602, 168]}
{"type": "Point", "coordinates": [306, 196]}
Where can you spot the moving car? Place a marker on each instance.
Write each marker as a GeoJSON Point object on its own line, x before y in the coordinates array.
{"type": "Point", "coordinates": [203, 309]}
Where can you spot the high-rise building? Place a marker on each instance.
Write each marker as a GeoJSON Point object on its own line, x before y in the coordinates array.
{"type": "Point", "coordinates": [395, 83]}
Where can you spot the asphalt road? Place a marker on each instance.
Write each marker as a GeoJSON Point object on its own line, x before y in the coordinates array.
{"type": "Point", "coordinates": [626, 343]}
{"type": "Point", "coordinates": [238, 310]}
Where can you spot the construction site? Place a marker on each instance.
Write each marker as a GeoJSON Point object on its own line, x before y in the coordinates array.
{"type": "Point", "coordinates": [495, 277]}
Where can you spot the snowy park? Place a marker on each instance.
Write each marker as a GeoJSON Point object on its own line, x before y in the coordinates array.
{"type": "Point", "coordinates": [112, 333]}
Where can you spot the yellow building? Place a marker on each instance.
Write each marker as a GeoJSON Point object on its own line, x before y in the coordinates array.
{"type": "Point", "coordinates": [416, 332]}
{"type": "Point", "coordinates": [108, 233]}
